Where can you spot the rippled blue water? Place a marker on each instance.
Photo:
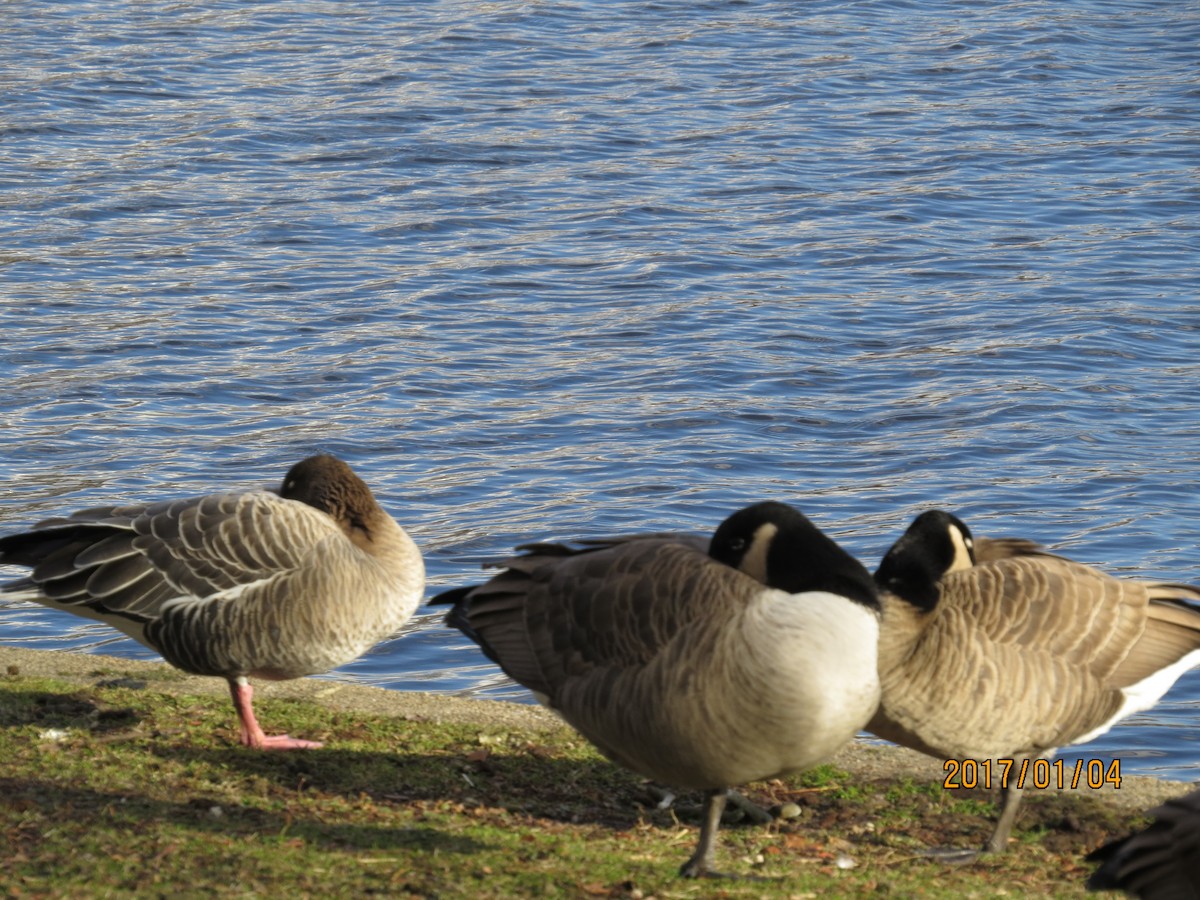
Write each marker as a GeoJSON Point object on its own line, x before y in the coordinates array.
{"type": "Point", "coordinates": [562, 269]}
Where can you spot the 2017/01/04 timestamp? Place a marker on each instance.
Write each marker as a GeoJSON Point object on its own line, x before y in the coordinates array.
{"type": "Point", "coordinates": [1036, 773]}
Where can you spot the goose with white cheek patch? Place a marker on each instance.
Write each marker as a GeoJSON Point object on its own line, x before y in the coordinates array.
{"type": "Point", "coordinates": [996, 649]}
{"type": "Point", "coordinates": [238, 585]}
{"type": "Point", "coordinates": [677, 665]}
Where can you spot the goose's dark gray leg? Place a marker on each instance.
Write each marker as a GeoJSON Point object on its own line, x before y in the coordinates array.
{"type": "Point", "coordinates": [1010, 801]}
{"type": "Point", "coordinates": [665, 798]}
{"type": "Point", "coordinates": [700, 863]}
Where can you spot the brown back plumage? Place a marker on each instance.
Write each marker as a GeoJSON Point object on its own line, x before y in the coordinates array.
{"type": "Point", "coordinates": [557, 614]}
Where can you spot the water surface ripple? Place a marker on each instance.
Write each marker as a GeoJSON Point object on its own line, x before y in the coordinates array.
{"type": "Point", "coordinates": [548, 270]}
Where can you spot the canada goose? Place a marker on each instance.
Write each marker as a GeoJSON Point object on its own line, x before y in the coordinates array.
{"type": "Point", "coordinates": [262, 584]}
{"type": "Point", "coordinates": [1160, 863]}
{"type": "Point", "coordinates": [996, 649]}
{"type": "Point", "coordinates": [679, 667]}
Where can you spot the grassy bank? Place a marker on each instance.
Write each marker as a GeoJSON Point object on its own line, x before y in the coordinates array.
{"type": "Point", "coordinates": [117, 783]}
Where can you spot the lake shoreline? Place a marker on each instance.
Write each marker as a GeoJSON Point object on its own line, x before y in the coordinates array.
{"type": "Point", "coordinates": [864, 759]}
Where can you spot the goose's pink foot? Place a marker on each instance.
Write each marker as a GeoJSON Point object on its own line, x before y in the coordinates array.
{"type": "Point", "coordinates": [252, 734]}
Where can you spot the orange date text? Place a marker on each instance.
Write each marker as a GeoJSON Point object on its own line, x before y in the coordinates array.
{"type": "Point", "coordinates": [1035, 773]}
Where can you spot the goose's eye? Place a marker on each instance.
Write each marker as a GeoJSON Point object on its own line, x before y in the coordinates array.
{"type": "Point", "coordinates": [737, 544]}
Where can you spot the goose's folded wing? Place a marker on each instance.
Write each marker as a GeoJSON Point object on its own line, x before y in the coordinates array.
{"type": "Point", "coordinates": [1045, 604]}
{"type": "Point", "coordinates": [1032, 649]}
{"type": "Point", "coordinates": [130, 560]}
{"type": "Point", "coordinates": [223, 541]}
{"type": "Point", "coordinates": [557, 613]}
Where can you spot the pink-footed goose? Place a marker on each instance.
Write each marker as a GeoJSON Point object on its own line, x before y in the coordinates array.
{"type": "Point", "coordinates": [996, 649]}
{"type": "Point", "coordinates": [251, 584]}
{"type": "Point", "coordinates": [1162, 862]}
{"type": "Point", "coordinates": [682, 668]}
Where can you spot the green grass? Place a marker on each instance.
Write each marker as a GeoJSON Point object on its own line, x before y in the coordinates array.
{"type": "Point", "coordinates": [117, 791]}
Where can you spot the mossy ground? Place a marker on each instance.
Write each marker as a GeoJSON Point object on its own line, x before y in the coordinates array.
{"type": "Point", "coordinates": [119, 790]}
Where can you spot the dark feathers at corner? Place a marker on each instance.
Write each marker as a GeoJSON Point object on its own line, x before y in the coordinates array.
{"type": "Point", "coordinates": [1161, 862]}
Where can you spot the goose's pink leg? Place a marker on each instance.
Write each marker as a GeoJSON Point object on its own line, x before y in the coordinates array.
{"type": "Point", "coordinates": [252, 733]}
